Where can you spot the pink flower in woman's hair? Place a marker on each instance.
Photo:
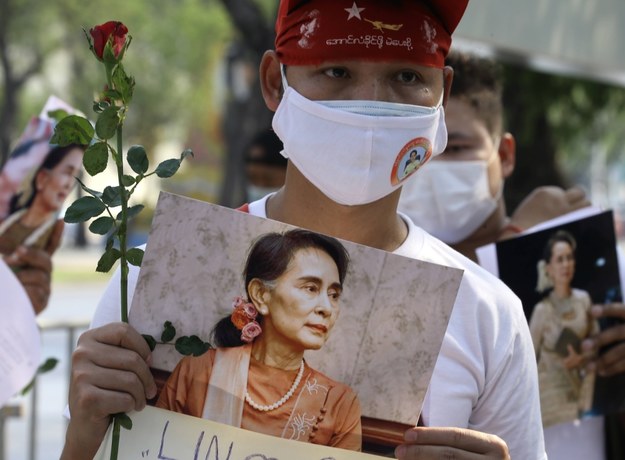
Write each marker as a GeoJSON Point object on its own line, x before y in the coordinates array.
{"type": "Point", "coordinates": [237, 301]}
{"type": "Point", "coordinates": [251, 331]}
{"type": "Point", "coordinates": [250, 310]}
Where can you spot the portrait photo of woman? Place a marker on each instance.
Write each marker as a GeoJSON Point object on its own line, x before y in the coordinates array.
{"type": "Point", "coordinates": [558, 325]}
{"type": "Point", "coordinates": [34, 209]}
{"type": "Point", "coordinates": [257, 378]}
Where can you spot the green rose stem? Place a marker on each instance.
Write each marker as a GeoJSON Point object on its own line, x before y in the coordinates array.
{"type": "Point", "coordinates": [123, 261]}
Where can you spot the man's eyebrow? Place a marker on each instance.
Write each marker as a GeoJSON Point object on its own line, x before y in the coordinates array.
{"type": "Point", "coordinates": [455, 136]}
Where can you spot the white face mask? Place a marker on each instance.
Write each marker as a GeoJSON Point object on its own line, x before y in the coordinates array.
{"type": "Point", "coordinates": [450, 199]}
{"type": "Point", "coordinates": [356, 152]}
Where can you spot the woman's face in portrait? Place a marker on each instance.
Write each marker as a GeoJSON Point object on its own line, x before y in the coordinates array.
{"type": "Point", "coordinates": [304, 304]}
{"type": "Point", "coordinates": [561, 266]}
{"type": "Point", "coordinates": [54, 185]}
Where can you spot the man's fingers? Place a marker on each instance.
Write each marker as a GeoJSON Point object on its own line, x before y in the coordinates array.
{"type": "Point", "coordinates": [431, 442]}
{"type": "Point", "coordinates": [107, 391]}
{"type": "Point", "coordinates": [30, 257]}
{"type": "Point", "coordinates": [36, 283]}
{"type": "Point", "coordinates": [613, 310]}
{"type": "Point", "coordinates": [55, 238]}
{"type": "Point", "coordinates": [577, 195]}
{"type": "Point", "coordinates": [611, 362]}
{"type": "Point", "coordinates": [120, 347]}
{"type": "Point", "coordinates": [609, 336]}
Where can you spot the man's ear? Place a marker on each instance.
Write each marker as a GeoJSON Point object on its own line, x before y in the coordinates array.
{"type": "Point", "coordinates": [271, 79]}
{"type": "Point", "coordinates": [507, 154]}
{"type": "Point", "coordinates": [259, 294]}
{"type": "Point", "coordinates": [448, 76]}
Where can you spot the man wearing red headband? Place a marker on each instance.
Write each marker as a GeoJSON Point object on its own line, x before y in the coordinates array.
{"type": "Point", "coordinates": [357, 85]}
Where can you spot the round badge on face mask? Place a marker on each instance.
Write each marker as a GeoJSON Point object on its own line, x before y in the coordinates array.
{"type": "Point", "coordinates": [414, 154]}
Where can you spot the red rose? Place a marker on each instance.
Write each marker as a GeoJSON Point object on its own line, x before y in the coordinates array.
{"type": "Point", "coordinates": [113, 32]}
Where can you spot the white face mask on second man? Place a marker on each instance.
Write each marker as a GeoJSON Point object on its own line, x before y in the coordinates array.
{"type": "Point", "coordinates": [450, 199]}
{"type": "Point", "coordinates": [356, 152]}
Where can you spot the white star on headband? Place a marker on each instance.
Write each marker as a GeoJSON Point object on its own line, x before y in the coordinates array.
{"type": "Point", "coordinates": [354, 12]}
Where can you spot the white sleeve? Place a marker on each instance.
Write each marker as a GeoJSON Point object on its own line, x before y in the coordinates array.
{"type": "Point", "coordinates": [485, 377]}
{"type": "Point", "coordinates": [510, 400]}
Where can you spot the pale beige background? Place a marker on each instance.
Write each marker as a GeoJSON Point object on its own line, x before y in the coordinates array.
{"type": "Point", "coordinates": [394, 310]}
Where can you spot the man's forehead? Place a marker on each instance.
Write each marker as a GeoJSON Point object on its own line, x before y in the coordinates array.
{"type": "Point", "coordinates": [314, 31]}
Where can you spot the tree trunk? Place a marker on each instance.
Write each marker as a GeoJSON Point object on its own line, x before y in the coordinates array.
{"type": "Point", "coordinates": [245, 113]}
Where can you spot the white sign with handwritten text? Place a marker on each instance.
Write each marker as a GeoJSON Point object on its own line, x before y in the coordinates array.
{"type": "Point", "coordinates": [158, 434]}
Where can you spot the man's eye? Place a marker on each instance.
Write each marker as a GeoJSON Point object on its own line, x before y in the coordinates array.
{"type": "Point", "coordinates": [454, 149]}
{"type": "Point", "coordinates": [334, 295]}
{"type": "Point", "coordinates": [336, 72]}
{"type": "Point", "coordinates": [407, 76]}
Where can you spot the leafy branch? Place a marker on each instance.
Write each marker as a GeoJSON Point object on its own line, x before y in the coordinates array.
{"type": "Point", "coordinates": [109, 42]}
{"type": "Point", "coordinates": [185, 345]}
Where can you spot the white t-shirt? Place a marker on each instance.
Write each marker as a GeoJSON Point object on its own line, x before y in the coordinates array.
{"type": "Point", "coordinates": [485, 377]}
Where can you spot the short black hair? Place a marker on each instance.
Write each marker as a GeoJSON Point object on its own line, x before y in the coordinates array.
{"type": "Point", "coordinates": [478, 81]}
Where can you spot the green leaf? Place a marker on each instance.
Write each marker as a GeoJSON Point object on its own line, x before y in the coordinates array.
{"type": "Point", "coordinates": [72, 130]}
{"type": "Point", "coordinates": [107, 260]}
{"type": "Point", "coordinates": [123, 83]}
{"type": "Point", "coordinates": [127, 180]}
{"type": "Point", "coordinates": [100, 106]}
{"type": "Point", "coordinates": [58, 114]}
{"type": "Point", "coordinates": [167, 168]}
{"type": "Point", "coordinates": [124, 421]}
{"type": "Point", "coordinates": [134, 210]}
{"type": "Point", "coordinates": [91, 192]}
{"type": "Point", "coordinates": [186, 153]}
{"type": "Point", "coordinates": [138, 159]}
{"type": "Point", "coordinates": [112, 196]}
{"type": "Point", "coordinates": [47, 366]}
{"type": "Point", "coordinates": [191, 345]}
{"type": "Point", "coordinates": [102, 225]}
{"type": "Point", "coordinates": [110, 241]}
{"type": "Point", "coordinates": [106, 125]}
{"type": "Point", "coordinates": [169, 332]}
{"type": "Point", "coordinates": [112, 94]}
{"type": "Point", "coordinates": [135, 256]}
{"type": "Point", "coordinates": [150, 340]}
{"type": "Point", "coordinates": [84, 209]}
{"type": "Point", "coordinates": [96, 158]}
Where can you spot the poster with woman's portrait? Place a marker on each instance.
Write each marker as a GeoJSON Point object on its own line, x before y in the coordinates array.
{"type": "Point", "coordinates": [311, 338]}
{"type": "Point", "coordinates": [560, 273]}
{"type": "Point", "coordinates": [35, 182]}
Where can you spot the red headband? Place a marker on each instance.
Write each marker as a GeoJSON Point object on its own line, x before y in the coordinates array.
{"type": "Point", "coordinates": [309, 32]}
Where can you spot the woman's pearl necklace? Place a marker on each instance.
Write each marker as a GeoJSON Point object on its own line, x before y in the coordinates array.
{"type": "Point", "coordinates": [282, 400]}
